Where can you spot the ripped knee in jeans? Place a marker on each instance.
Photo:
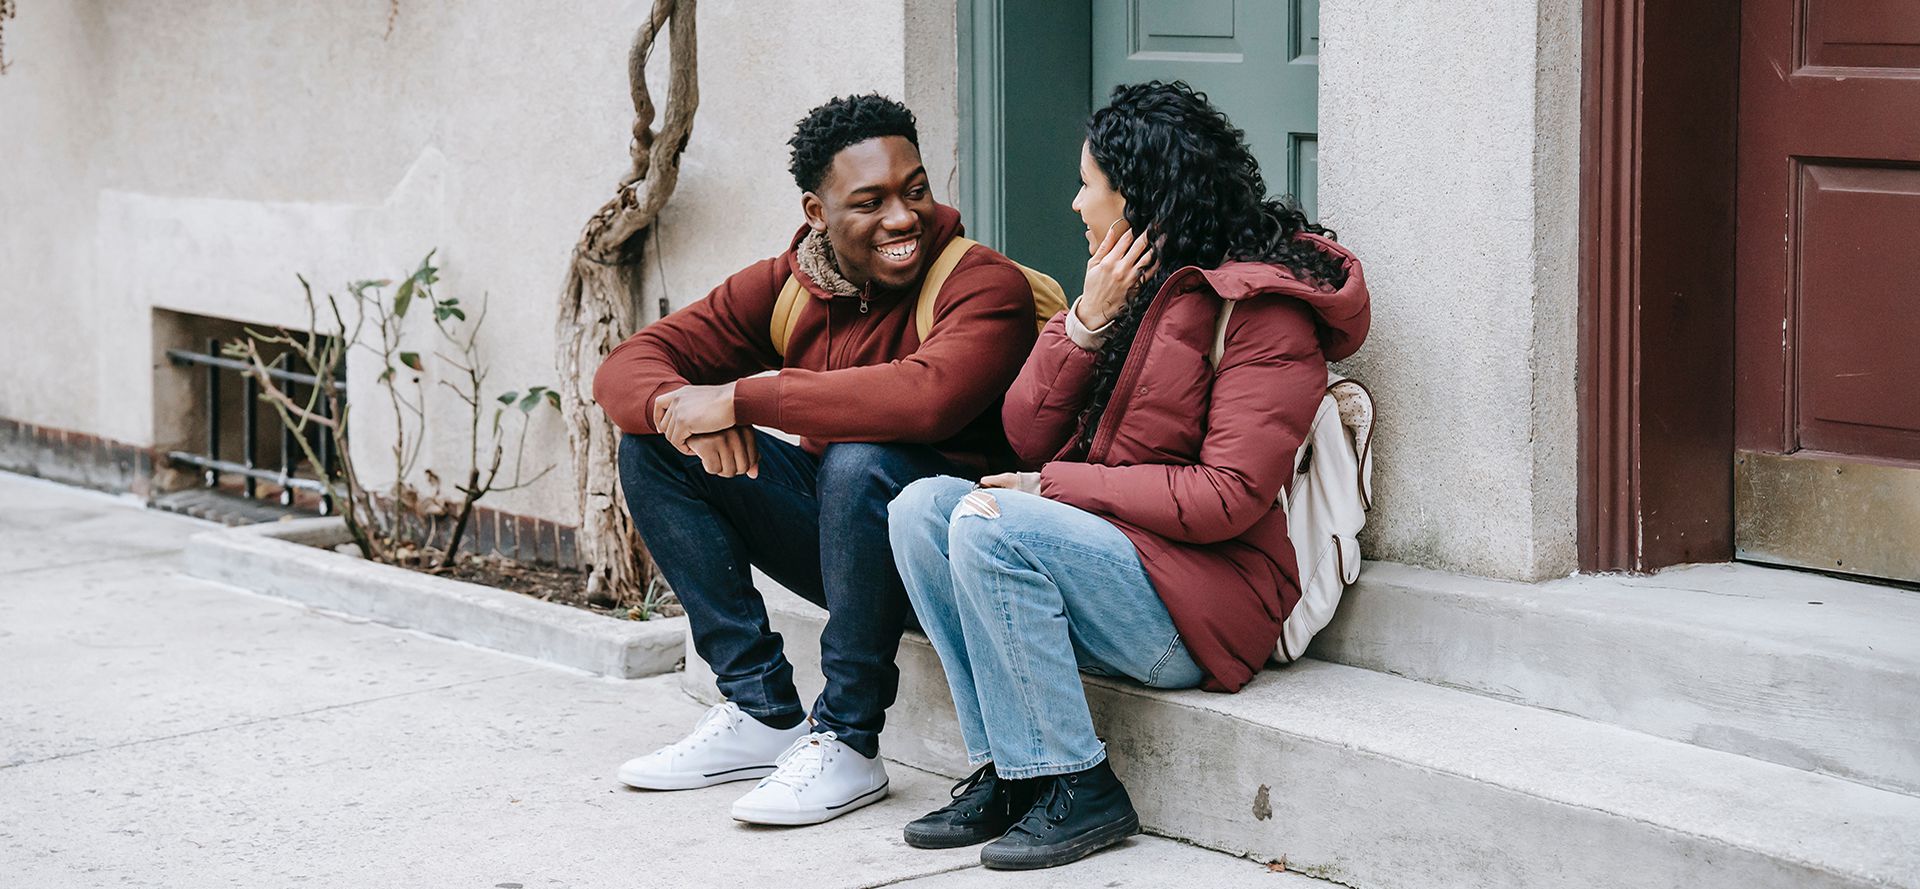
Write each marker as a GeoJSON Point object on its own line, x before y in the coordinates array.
{"type": "Point", "coordinates": [978, 502]}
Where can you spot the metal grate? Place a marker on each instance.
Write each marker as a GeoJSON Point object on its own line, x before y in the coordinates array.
{"type": "Point", "coordinates": [286, 477]}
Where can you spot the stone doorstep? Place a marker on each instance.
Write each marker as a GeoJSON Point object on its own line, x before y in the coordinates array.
{"type": "Point", "coordinates": [1801, 669]}
{"type": "Point", "coordinates": [1373, 780]}
{"type": "Point", "coordinates": [280, 559]}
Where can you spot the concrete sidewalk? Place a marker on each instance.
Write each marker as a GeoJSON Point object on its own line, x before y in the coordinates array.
{"type": "Point", "coordinates": [157, 730]}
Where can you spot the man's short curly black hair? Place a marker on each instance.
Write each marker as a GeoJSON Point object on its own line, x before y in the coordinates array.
{"type": "Point", "coordinates": [844, 121]}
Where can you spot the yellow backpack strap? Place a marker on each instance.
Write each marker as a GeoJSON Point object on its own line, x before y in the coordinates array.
{"type": "Point", "coordinates": [1049, 299]}
{"type": "Point", "coordinates": [936, 278]}
{"type": "Point", "coordinates": [786, 309]}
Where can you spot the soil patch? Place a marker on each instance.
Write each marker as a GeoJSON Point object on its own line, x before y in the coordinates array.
{"type": "Point", "coordinates": [563, 585]}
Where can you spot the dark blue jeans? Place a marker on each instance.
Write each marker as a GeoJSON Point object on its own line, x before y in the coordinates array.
{"type": "Point", "coordinates": [817, 526]}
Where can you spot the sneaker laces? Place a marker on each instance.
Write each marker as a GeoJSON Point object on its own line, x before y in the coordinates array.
{"type": "Point", "coordinates": [1051, 807]}
{"type": "Point", "coordinates": [966, 785]}
{"type": "Point", "coordinates": [965, 796]}
{"type": "Point", "coordinates": [721, 717]}
{"type": "Point", "coordinates": [803, 760]}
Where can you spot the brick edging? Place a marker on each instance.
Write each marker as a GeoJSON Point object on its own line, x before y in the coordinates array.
{"type": "Point", "coordinates": [521, 538]}
{"type": "Point", "coordinates": [75, 458]}
{"type": "Point", "coordinates": [104, 464]}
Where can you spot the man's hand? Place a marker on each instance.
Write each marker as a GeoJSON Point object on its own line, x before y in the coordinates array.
{"type": "Point", "coordinates": [727, 453]}
{"type": "Point", "coordinates": [693, 410]}
{"type": "Point", "coordinates": [1027, 482]}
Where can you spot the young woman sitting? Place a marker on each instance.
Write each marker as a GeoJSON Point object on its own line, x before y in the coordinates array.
{"type": "Point", "coordinates": [1149, 544]}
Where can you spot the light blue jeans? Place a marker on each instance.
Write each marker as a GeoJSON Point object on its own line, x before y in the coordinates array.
{"type": "Point", "coordinates": [1016, 604]}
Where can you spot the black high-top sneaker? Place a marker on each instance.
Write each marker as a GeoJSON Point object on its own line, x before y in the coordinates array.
{"type": "Point", "coordinates": [984, 806]}
{"type": "Point", "coordinates": [1073, 816]}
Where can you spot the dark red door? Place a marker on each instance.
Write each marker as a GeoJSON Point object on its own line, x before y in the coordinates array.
{"type": "Point", "coordinates": [1827, 356]}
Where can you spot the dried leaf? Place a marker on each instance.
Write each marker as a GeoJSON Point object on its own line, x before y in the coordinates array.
{"type": "Point", "coordinates": [359, 288]}
{"type": "Point", "coordinates": [403, 298]}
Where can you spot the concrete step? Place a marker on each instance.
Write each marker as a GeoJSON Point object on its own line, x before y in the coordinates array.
{"type": "Point", "coordinates": [1796, 668]}
{"type": "Point", "coordinates": [1372, 780]}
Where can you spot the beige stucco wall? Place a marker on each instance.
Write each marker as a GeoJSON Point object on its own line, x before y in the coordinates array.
{"type": "Point", "coordinates": [1449, 151]}
{"type": "Point", "coordinates": [51, 123]}
{"type": "Point", "coordinates": [195, 156]}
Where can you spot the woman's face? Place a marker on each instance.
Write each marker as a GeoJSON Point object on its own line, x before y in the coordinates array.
{"type": "Point", "coordinates": [1097, 203]}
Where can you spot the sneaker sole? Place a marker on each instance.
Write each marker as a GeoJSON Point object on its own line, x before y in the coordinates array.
{"type": "Point", "coordinates": [799, 817]}
{"type": "Point", "coordinates": [1064, 853]}
{"type": "Point", "coordinates": [928, 839]}
{"type": "Point", "coordinates": [694, 781]}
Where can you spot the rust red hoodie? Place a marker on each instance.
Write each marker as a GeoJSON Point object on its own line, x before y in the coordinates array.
{"type": "Point", "coordinates": [847, 375]}
{"type": "Point", "coordinates": [1187, 460]}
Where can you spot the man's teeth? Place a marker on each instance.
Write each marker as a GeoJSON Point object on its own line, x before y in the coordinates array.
{"type": "Point", "coordinates": [901, 250]}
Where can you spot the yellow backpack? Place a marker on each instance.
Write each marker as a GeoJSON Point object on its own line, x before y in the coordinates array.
{"type": "Point", "coordinates": [1048, 298]}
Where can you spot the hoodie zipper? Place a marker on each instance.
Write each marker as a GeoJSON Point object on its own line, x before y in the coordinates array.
{"type": "Point", "coordinates": [836, 360]}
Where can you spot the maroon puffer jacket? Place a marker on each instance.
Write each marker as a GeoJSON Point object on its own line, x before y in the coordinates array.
{"type": "Point", "coordinates": [1188, 461]}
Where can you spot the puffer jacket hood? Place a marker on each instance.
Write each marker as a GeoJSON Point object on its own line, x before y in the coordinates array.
{"type": "Point", "coordinates": [1342, 316]}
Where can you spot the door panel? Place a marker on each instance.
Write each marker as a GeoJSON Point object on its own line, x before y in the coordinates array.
{"type": "Point", "coordinates": [1862, 34]}
{"type": "Point", "coordinates": [1827, 352]}
{"type": "Point", "coordinates": [1258, 60]}
{"type": "Point", "coordinates": [1162, 23]}
{"type": "Point", "coordinates": [1858, 313]}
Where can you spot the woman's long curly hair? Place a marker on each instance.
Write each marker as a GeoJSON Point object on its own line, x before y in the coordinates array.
{"type": "Point", "coordinates": [1190, 182]}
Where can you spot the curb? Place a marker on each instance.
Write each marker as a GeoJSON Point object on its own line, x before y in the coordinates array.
{"type": "Point", "coordinates": [281, 559]}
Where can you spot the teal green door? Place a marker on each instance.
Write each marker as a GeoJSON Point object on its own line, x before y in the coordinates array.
{"type": "Point", "coordinates": [1258, 60]}
{"type": "Point", "coordinates": [1034, 70]}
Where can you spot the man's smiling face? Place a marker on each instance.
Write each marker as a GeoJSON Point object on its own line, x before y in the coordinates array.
{"type": "Point", "coordinates": [877, 210]}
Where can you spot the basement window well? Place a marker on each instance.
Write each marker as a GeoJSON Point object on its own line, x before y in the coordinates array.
{"type": "Point", "coordinates": [228, 455]}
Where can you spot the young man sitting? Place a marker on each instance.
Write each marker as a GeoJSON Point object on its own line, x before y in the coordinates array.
{"type": "Point", "coordinates": [875, 407]}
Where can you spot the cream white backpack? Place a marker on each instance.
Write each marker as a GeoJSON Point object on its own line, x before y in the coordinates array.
{"type": "Point", "coordinates": [1327, 503]}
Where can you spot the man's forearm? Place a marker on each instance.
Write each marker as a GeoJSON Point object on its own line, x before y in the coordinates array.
{"type": "Point", "coordinates": [903, 401]}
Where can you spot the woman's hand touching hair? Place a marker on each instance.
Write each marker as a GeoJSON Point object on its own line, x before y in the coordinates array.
{"type": "Point", "coordinates": [1114, 274]}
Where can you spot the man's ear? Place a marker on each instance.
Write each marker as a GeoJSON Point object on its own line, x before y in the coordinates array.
{"type": "Point", "coordinates": [816, 211]}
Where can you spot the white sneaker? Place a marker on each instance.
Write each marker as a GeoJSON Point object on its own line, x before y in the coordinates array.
{"type": "Point", "coordinates": [819, 779]}
{"type": "Point", "coordinates": [726, 745]}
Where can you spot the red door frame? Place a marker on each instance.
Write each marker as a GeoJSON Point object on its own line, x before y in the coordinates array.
{"type": "Point", "coordinates": [1659, 106]}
